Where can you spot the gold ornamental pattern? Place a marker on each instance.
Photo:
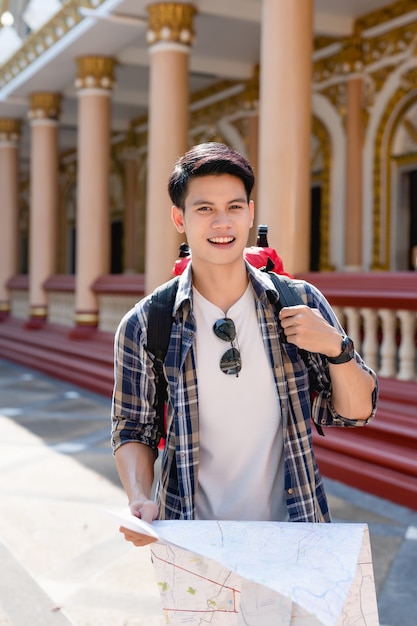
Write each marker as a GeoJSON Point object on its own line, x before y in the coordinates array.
{"type": "Point", "coordinates": [39, 42]}
{"type": "Point", "coordinates": [44, 105]}
{"type": "Point", "coordinates": [171, 22]}
{"type": "Point", "coordinates": [95, 72]}
{"type": "Point", "coordinates": [10, 129]}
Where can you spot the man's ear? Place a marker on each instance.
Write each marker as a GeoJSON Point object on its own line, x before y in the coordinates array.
{"type": "Point", "coordinates": [252, 212]}
{"type": "Point", "coordinates": [177, 216]}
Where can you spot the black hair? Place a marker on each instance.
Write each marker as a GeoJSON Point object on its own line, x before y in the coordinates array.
{"type": "Point", "coordinates": [207, 159]}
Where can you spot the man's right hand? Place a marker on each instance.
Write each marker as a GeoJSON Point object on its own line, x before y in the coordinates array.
{"type": "Point", "coordinates": [135, 465]}
{"type": "Point", "coordinates": [146, 510]}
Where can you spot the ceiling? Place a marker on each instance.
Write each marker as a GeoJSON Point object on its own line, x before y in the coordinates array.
{"type": "Point", "coordinates": [226, 47]}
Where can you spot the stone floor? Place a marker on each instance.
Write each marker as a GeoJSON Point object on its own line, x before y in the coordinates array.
{"type": "Point", "coordinates": [62, 561]}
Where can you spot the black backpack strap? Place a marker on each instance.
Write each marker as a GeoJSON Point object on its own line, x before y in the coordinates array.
{"type": "Point", "coordinates": [288, 292]}
{"type": "Point", "coordinates": [290, 296]}
{"type": "Point", "coordinates": [159, 331]}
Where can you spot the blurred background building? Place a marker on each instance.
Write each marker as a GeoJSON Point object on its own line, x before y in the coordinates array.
{"type": "Point", "coordinates": [97, 100]}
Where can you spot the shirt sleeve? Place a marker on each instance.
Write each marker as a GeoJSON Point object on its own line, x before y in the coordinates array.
{"type": "Point", "coordinates": [322, 409]}
{"type": "Point", "coordinates": [133, 412]}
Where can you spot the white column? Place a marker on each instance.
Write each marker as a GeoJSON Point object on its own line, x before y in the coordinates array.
{"type": "Point", "coordinates": [370, 339]}
{"type": "Point", "coordinates": [170, 35]}
{"type": "Point", "coordinates": [285, 127]}
{"type": "Point", "coordinates": [388, 346]}
{"type": "Point", "coordinates": [9, 145]}
{"type": "Point", "coordinates": [407, 349]}
{"type": "Point", "coordinates": [94, 81]}
{"type": "Point", "coordinates": [43, 115]}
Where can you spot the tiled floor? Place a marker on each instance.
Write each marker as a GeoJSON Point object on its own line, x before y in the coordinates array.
{"type": "Point", "coordinates": [62, 560]}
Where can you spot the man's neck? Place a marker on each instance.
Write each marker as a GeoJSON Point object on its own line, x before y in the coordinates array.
{"type": "Point", "coordinates": [221, 285]}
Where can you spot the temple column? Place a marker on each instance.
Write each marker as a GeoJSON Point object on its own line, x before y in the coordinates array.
{"type": "Point", "coordinates": [43, 115]}
{"type": "Point", "coordinates": [130, 225]}
{"type": "Point", "coordinates": [354, 162]}
{"type": "Point", "coordinates": [285, 127]}
{"type": "Point", "coordinates": [95, 78]}
{"type": "Point", "coordinates": [170, 35]}
{"type": "Point", "coordinates": [9, 231]}
{"type": "Point", "coordinates": [253, 154]}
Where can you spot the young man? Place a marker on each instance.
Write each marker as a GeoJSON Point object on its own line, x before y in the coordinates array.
{"type": "Point", "coordinates": [239, 442]}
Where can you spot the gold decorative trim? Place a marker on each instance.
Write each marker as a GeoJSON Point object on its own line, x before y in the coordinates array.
{"type": "Point", "coordinates": [406, 159]}
{"type": "Point", "coordinates": [323, 41]}
{"type": "Point", "coordinates": [95, 72]}
{"type": "Point", "coordinates": [86, 319]}
{"type": "Point", "coordinates": [386, 14]}
{"type": "Point", "coordinates": [44, 105]}
{"type": "Point", "coordinates": [39, 312]}
{"type": "Point", "coordinates": [10, 129]}
{"type": "Point", "coordinates": [45, 38]}
{"type": "Point", "coordinates": [379, 247]}
{"type": "Point", "coordinates": [337, 95]}
{"type": "Point", "coordinates": [171, 22]}
{"type": "Point", "coordinates": [357, 53]}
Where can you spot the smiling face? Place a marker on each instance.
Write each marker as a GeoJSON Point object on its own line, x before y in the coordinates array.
{"type": "Point", "coordinates": [216, 220]}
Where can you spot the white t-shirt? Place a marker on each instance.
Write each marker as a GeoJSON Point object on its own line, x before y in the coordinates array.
{"type": "Point", "coordinates": [241, 473]}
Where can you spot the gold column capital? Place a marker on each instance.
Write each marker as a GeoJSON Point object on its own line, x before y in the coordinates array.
{"type": "Point", "coordinates": [10, 129]}
{"type": "Point", "coordinates": [352, 55]}
{"type": "Point", "coordinates": [44, 105]}
{"type": "Point", "coordinates": [95, 72]}
{"type": "Point", "coordinates": [171, 22]}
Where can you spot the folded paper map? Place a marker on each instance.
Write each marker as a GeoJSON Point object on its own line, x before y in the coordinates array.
{"type": "Point", "coordinates": [226, 573]}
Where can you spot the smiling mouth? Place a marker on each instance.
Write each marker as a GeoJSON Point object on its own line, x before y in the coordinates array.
{"type": "Point", "coordinates": [221, 240]}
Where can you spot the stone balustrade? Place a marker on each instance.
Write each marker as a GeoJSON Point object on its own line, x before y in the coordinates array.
{"type": "Point", "coordinates": [378, 310]}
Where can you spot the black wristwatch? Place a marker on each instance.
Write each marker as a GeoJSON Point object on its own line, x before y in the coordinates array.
{"type": "Point", "coordinates": [347, 354]}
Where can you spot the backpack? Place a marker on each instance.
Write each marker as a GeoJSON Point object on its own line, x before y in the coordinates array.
{"type": "Point", "coordinates": [160, 323]}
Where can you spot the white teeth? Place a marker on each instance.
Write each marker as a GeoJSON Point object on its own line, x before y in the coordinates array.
{"type": "Point", "coordinates": [221, 239]}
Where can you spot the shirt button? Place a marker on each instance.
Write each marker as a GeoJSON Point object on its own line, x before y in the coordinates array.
{"type": "Point", "coordinates": [290, 491]}
{"type": "Point", "coordinates": [323, 421]}
{"type": "Point", "coordinates": [182, 455]}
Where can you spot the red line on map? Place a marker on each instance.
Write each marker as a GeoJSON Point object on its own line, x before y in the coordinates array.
{"type": "Point", "coordinates": [184, 569]}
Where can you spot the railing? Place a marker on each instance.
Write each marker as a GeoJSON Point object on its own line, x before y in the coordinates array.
{"type": "Point", "coordinates": [379, 311]}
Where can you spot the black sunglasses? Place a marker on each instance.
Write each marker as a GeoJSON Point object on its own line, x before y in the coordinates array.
{"type": "Point", "coordinates": [231, 362]}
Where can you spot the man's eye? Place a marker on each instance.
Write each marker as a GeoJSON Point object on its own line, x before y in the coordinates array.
{"type": "Point", "coordinates": [236, 206]}
{"type": "Point", "coordinates": [203, 208]}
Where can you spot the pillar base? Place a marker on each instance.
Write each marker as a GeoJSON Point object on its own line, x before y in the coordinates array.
{"type": "Point", "coordinates": [35, 323]}
{"type": "Point", "coordinates": [38, 316]}
{"type": "Point", "coordinates": [82, 331]}
{"type": "Point", "coordinates": [86, 323]}
{"type": "Point", "coordinates": [4, 311]}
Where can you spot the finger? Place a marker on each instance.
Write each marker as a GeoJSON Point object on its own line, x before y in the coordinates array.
{"type": "Point", "coordinates": [138, 539]}
{"type": "Point", "coordinates": [290, 311]}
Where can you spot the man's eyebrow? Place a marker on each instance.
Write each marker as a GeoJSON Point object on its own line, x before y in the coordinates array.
{"type": "Point", "coordinates": [198, 201]}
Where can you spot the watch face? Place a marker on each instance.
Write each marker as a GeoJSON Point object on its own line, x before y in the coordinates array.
{"type": "Point", "coordinates": [347, 353]}
{"type": "Point", "coordinates": [347, 346]}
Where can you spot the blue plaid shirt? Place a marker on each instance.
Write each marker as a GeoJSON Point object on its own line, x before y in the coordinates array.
{"type": "Point", "coordinates": [304, 395]}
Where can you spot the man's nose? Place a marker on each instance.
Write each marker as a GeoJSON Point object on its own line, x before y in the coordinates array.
{"type": "Point", "coordinates": [222, 220]}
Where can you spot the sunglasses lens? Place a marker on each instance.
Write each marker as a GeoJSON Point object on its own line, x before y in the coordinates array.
{"type": "Point", "coordinates": [225, 329]}
{"type": "Point", "coordinates": [231, 362]}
